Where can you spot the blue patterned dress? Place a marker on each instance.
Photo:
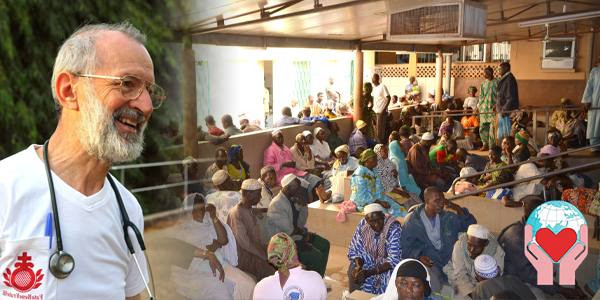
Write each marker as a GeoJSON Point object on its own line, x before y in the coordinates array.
{"type": "Point", "coordinates": [367, 188]}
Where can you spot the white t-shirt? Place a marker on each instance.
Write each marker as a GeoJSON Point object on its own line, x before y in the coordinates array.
{"type": "Point", "coordinates": [380, 94]}
{"type": "Point", "coordinates": [471, 102]}
{"type": "Point", "coordinates": [91, 229]}
{"type": "Point", "coordinates": [301, 284]}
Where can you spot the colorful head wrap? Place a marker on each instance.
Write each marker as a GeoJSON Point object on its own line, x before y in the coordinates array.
{"type": "Point", "coordinates": [366, 155]}
{"type": "Point", "coordinates": [522, 136]}
{"type": "Point", "coordinates": [281, 252]}
{"type": "Point", "coordinates": [233, 152]}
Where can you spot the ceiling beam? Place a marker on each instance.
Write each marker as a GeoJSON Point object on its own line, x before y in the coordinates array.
{"type": "Point", "coordinates": [535, 18]}
{"type": "Point", "coordinates": [272, 18]}
{"type": "Point", "coordinates": [222, 39]}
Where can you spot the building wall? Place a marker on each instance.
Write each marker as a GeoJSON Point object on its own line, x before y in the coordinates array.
{"type": "Point", "coordinates": [537, 87]}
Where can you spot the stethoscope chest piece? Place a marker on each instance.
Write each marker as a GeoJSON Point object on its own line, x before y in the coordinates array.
{"type": "Point", "coordinates": [61, 264]}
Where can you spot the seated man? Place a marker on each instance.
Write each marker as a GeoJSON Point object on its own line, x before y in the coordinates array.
{"type": "Point", "coordinates": [219, 164]}
{"type": "Point", "coordinates": [333, 139]}
{"type": "Point", "coordinates": [268, 181]}
{"type": "Point", "coordinates": [252, 254]}
{"type": "Point", "coordinates": [512, 240]}
{"type": "Point", "coordinates": [452, 129]}
{"type": "Point", "coordinates": [245, 125]}
{"type": "Point", "coordinates": [201, 228]}
{"type": "Point", "coordinates": [405, 142]}
{"type": "Point", "coordinates": [430, 232]}
{"type": "Point", "coordinates": [420, 167]}
{"type": "Point", "coordinates": [212, 126]}
{"type": "Point", "coordinates": [290, 281]}
{"type": "Point", "coordinates": [461, 270]}
{"type": "Point", "coordinates": [226, 196]}
{"type": "Point", "coordinates": [490, 282]}
{"type": "Point", "coordinates": [374, 251]}
{"type": "Point", "coordinates": [287, 118]}
{"type": "Point", "coordinates": [466, 159]}
{"type": "Point", "coordinates": [288, 213]}
{"type": "Point", "coordinates": [367, 187]}
{"type": "Point", "coordinates": [358, 138]}
{"type": "Point", "coordinates": [228, 126]}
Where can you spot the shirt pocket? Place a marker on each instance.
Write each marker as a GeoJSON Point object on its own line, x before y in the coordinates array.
{"type": "Point", "coordinates": [24, 265]}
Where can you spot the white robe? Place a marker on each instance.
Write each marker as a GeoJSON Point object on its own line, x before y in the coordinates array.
{"type": "Point", "coordinates": [592, 95]}
{"type": "Point", "coordinates": [198, 282]}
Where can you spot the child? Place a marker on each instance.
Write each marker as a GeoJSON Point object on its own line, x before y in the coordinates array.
{"type": "Point", "coordinates": [472, 100]}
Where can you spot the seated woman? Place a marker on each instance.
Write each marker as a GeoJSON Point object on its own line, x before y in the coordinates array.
{"type": "Point", "coordinates": [290, 281]}
{"type": "Point", "coordinates": [405, 180]}
{"type": "Point", "coordinates": [367, 188]}
{"type": "Point", "coordinates": [302, 155]}
{"type": "Point", "coordinates": [523, 149]}
{"type": "Point", "coordinates": [237, 168]}
{"type": "Point", "coordinates": [496, 177]}
{"type": "Point", "coordinates": [201, 228]}
{"type": "Point", "coordinates": [465, 185]}
{"type": "Point", "coordinates": [373, 251]}
{"type": "Point", "coordinates": [344, 162]}
{"type": "Point", "coordinates": [409, 280]}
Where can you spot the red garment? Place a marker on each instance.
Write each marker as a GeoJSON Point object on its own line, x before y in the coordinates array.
{"type": "Point", "coordinates": [215, 131]}
{"type": "Point", "coordinates": [580, 197]}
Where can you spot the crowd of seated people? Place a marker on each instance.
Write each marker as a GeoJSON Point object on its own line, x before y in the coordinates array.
{"type": "Point", "coordinates": [410, 234]}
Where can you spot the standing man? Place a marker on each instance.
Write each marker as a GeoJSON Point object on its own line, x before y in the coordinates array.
{"type": "Point", "coordinates": [381, 98]}
{"type": "Point", "coordinates": [508, 99]}
{"type": "Point", "coordinates": [591, 98]}
{"type": "Point", "coordinates": [103, 86]}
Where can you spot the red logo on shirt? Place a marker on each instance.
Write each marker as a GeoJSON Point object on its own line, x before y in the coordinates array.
{"type": "Point", "coordinates": [22, 278]}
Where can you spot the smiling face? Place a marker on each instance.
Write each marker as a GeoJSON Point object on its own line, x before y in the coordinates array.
{"type": "Point", "coordinates": [110, 126]}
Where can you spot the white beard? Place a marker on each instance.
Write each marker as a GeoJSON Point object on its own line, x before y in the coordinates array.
{"type": "Point", "coordinates": [99, 135]}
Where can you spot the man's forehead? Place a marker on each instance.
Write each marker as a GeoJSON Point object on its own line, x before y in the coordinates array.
{"type": "Point", "coordinates": [119, 55]}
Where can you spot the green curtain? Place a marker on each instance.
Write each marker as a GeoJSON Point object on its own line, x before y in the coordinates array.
{"type": "Point", "coordinates": [301, 82]}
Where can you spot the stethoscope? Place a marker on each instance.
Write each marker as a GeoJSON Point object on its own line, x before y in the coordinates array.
{"type": "Point", "coordinates": [61, 262]}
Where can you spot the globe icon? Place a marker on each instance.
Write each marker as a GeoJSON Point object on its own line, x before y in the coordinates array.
{"type": "Point", "coordinates": [556, 216]}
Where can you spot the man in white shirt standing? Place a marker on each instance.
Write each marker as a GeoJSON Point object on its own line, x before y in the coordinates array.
{"type": "Point", "coordinates": [103, 87]}
{"type": "Point", "coordinates": [381, 98]}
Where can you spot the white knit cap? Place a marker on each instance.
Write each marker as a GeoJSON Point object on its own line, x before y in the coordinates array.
{"type": "Point", "coordinates": [251, 184]}
{"type": "Point", "coordinates": [219, 177]}
{"type": "Point", "coordinates": [427, 136]}
{"type": "Point", "coordinates": [478, 231]}
{"type": "Point", "coordinates": [466, 171]}
{"type": "Point", "coordinates": [306, 133]}
{"type": "Point", "coordinates": [373, 207]}
{"type": "Point", "coordinates": [275, 132]}
{"type": "Point", "coordinates": [486, 266]}
{"type": "Point", "coordinates": [342, 148]}
{"type": "Point", "coordinates": [289, 178]}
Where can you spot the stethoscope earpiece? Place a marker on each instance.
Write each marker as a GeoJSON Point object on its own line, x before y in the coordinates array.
{"type": "Point", "coordinates": [61, 264]}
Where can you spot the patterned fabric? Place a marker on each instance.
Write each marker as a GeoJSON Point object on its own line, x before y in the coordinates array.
{"type": "Point", "coordinates": [237, 173]}
{"type": "Point", "coordinates": [281, 252]}
{"type": "Point", "coordinates": [406, 180]}
{"type": "Point", "coordinates": [580, 197]}
{"type": "Point", "coordinates": [487, 100]}
{"type": "Point", "coordinates": [485, 133]}
{"type": "Point", "coordinates": [387, 241]}
{"type": "Point", "coordinates": [384, 169]}
{"type": "Point", "coordinates": [357, 140]}
{"type": "Point", "coordinates": [367, 188]}
{"type": "Point", "coordinates": [366, 155]}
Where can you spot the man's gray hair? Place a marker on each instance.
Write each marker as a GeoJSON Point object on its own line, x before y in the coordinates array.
{"type": "Point", "coordinates": [78, 53]}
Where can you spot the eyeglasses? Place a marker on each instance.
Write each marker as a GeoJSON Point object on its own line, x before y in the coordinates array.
{"type": "Point", "coordinates": [132, 87]}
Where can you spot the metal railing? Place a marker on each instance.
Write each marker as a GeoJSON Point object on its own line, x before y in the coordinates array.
{"type": "Point", "coordinates": [517, 164]}
{"type": "Point", "coordinates": [184, 183]}
{"type": "Point", "coordinates": [546, 110]}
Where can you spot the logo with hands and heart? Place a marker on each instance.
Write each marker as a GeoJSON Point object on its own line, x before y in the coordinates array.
{"type": "Point", "coordinates": [556, 233]}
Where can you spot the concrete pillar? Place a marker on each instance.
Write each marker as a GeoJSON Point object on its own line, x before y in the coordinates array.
{"type": "Point", "coordinates": [358, 83]}
{"type": "Point", "coordinates": [190, 120]}
{"type": "Point", "coordinates": [449, 74]}
{"type": "Point", "coordinates": [439, 79]}
{"type": "Point", "coordinates": [412, 64]}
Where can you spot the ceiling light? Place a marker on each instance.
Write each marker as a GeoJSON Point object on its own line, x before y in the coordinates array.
{"type": "Point", "coordinates": [561, 18]}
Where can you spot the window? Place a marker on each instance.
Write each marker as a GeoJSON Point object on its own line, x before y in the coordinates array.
{"type": "Point", "coordinates": [402, 58]}
{"type": "Point", "coordinates": [425, 58]}
{"type": "Point", "coordinates": [472, 53]}
{"type": "Point", "coordinates": [501, 51]}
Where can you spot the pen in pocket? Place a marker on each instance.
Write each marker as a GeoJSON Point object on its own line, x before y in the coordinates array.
{"type": "Point", "coordinates": [48, 232]}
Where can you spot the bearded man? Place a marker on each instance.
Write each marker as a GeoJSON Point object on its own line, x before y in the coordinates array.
{"type": "Point", "coordinates": [104, 90]}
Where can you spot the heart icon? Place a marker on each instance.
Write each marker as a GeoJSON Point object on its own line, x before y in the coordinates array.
{"type": "Point", "coordinates": [556, 245]}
